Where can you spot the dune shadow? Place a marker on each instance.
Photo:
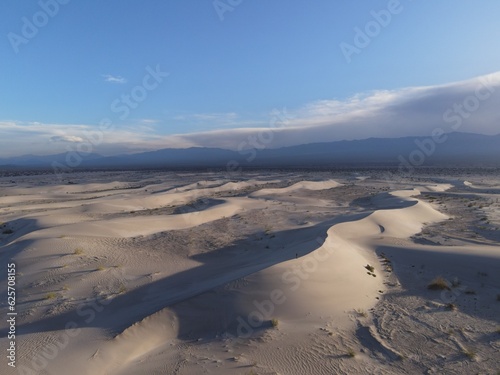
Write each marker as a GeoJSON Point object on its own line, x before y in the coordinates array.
{"type": "Point", "coordinates": [16, 229]}
{"type": "Point", "coordinates": [383, 200]}
{"type": "Point", "coordinates": [208, 281]}
{"type": "Point", "coordinates": [10, 247]}
{"type": "Point", "coordinates": [217, 269]}
{"type": "Point", "coordinates": [198, 205]}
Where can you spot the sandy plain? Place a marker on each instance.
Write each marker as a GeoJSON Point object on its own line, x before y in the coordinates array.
{"type": "Point", "coordinates": [267, 272]}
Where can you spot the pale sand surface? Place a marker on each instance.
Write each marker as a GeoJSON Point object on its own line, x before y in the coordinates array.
{"type": "Point", "coordinates": [262, 273]}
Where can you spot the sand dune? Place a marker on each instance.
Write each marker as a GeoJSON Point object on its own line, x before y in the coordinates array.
{"type": "Point", "coordinates": [303, 185]}
{"type": "Point", "coordinates": [188, 277]}
{"type": "Point", "coordinates": [143, 226]}
{"type": "Point", "coordinates": [332, 280]}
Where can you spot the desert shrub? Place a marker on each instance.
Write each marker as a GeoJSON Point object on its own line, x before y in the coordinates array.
{"type": "Point", "coordinates": [451, 306]}
{"type": "Point", "coordinates": [361, 312]}
{"type": "Point", "coordinates": [439, 283]}
{"type": "Point", "coordinates": [370, 268]}
{"type": "Point", "coordinates": [50, 295]}
{"type": "Point", "coordinates": [471, 354]}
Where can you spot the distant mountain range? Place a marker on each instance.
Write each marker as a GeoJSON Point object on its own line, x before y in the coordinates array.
{"type": "Point", "coordinates": [460, 149]}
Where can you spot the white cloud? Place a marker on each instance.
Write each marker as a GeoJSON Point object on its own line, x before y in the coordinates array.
{"type": "Point", "coordinates": [148, 121]}
{"type": "Point", "coordinates": [114, 79]}
{"type": "Point", "coordinates": [216, 120]}
{"type": "Point", "coordinates": [473, 104]}
{"type": "Point", "coordinates": [38, 138]}
{"type": "Point", "coordinates": [413, 111]}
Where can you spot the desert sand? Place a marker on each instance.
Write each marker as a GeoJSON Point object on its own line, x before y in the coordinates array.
{"type": "Point", "coordinates": [275, 272]}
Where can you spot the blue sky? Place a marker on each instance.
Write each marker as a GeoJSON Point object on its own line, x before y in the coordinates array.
{"type": "Point", "coordinates": [231, 63]}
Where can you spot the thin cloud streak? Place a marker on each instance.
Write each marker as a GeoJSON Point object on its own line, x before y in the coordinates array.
{"type": "Point", "coordinates": [114, 79]}
{"type": "Point", "coordinates": [66, 138]}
